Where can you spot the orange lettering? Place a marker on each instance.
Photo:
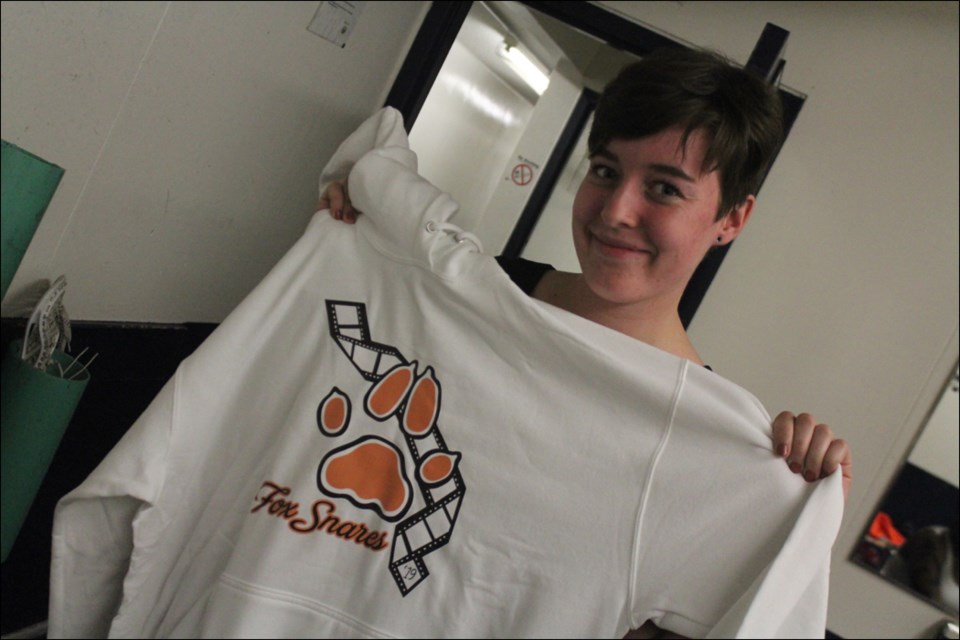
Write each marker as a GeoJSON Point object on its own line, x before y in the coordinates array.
{"type": "Point", "coordinates": [322, 518]}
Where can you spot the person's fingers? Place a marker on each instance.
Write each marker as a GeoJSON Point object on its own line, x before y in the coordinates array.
{"type": "Point", "coordinates": [341, 207]}
{"type": "Point", "coordinates": [819, 443]}
{"type": "Point", "coordinates": [839, 455]}
{"type": "Point", "coordinates": [846, 467]}
{"type": "Point", "coordinates": [803, 426]}
{"type": "Point", "coordinates": [324, 203]}
{"type": "Point", "coordinates": [339, 199]}
{"type": "Point", "coordinates": [333, 198]}
{"type": "Point", "coordinates": [783, 433]}
{"type": "Point", "coordinates": [349, 213]}
{"type": "Point", "coordinates": [836, 451]}
{"type": "Point", "coordinates": [810, 448]}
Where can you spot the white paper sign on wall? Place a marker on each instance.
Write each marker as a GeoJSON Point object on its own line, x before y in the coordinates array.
{"type": "Point", "coordinates": [334, 21]}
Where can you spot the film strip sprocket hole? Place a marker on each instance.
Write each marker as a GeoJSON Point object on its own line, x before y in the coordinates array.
{"type": "Point", "coordinates": [412, 399]}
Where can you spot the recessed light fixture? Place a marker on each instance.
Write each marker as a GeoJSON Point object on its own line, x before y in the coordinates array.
{"type": "Point", "coordinates": [524, 67]}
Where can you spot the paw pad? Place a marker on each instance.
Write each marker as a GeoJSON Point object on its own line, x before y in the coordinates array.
{"type": "Point", "coordinates": [370, 473]}
{"type": "Point", "coordinates": [333, 414]}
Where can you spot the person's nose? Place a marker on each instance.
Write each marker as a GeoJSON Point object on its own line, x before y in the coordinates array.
{"type": "Point", "coordinates": [624, 206]}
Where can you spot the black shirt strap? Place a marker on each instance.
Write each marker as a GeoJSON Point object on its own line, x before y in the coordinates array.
{"type": "Point", "coordinates": [526, 274]}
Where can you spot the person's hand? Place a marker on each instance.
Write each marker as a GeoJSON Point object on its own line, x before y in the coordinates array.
{"type": "Point", "coordinates": [811, 448]}
{"type": "Point", "coordinates": [336, 198]}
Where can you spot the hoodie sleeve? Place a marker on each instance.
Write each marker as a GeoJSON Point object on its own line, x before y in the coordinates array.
{"type": "Point", "coordinates": [113, 534]}
{"type": "Point", "coordinates": [383, 130]}
{"type": "Point", "coordinates": [94, 529]}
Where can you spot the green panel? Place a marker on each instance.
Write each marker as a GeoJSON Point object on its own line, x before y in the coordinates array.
{"type": "Point", "coordinates": [35, 409]}
{"type": "Point", "coordinates": [29, 183]}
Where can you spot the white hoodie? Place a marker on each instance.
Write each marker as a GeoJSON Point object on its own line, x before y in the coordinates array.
{"type": "Point", "coordinates": [388, 439]}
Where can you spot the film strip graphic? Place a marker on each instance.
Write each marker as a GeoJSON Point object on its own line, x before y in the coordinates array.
{"type": "Point", "coordinates": [430, 528]}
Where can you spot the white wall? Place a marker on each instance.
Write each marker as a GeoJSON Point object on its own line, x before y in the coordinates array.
{"type": "Point", "coordinates": [466, 132]}
{"type": "Point", "coordinates": [533, 149]}
{"type": "Point", "coordinates": [841, 298]}
{"type": "Point", "coordinates": [552, 239]}
{"type": "Point", "coordinates": [192, 134]}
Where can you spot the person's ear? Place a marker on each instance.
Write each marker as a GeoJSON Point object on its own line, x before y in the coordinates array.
{"type": "Point", "coordinates": [733, 223]}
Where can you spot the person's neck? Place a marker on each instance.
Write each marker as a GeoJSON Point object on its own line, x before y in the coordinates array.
{"type": "Point", "coordinates": [655, 322]}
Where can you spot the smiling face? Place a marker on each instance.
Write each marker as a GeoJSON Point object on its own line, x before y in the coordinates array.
{"type": "Point", "coordinates": [645, 216]}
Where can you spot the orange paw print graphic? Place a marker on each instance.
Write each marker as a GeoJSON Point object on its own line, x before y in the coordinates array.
{"type": "Point", "coordinates": [370, 471]}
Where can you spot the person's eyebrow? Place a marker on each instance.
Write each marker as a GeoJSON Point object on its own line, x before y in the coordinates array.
{"type": "Point", "coordinates": [667, 169]}
{"type": "Point", "coordinates": [603, 152]}
{"type": "Point", "coordinates": [671, 170]}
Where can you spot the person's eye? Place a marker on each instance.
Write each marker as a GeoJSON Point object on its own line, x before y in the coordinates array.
{"type": "Point", "coordinates": [663, 189]}
{"type": "Point", "coordinates": [602, 171]}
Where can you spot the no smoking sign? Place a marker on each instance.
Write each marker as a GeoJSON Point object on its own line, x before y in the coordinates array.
{"type": "Point", "coordinates": [522, 174]}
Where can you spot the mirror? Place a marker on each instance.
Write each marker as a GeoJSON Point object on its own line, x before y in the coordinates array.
{"type": "Point", "coordinates": [911, 539]}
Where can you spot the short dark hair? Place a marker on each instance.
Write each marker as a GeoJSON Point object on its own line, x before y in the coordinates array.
{"type": "Point", "coordinates": [695, 89]}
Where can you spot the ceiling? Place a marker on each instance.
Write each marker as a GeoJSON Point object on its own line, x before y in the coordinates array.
{"type": "Point", "coordinates": [543, 38]}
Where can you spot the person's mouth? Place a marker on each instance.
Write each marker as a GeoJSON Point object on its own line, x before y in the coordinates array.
{"type": "Point", "coordinates": [617, 247]}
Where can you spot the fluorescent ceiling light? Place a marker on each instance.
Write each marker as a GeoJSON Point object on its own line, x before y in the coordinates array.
{"type": "Point", "coordinates": [524, 68]}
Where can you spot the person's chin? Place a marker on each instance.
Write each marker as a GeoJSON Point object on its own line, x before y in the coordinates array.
{"type": "Point", "coordinates": [612, 285]}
